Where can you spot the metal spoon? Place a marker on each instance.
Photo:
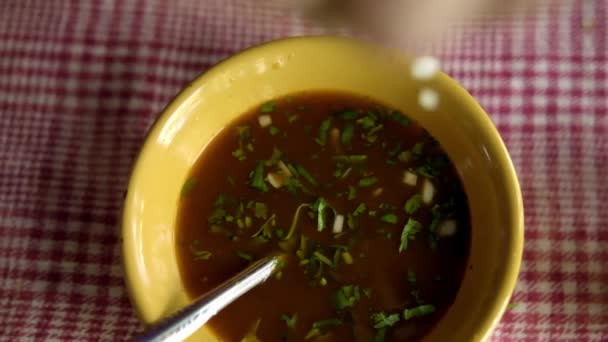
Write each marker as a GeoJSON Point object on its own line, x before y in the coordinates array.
{"type": "Point", "coordinates": [186, 321]}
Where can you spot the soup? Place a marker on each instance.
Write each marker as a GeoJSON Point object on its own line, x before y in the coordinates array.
{"type": "Point", "coordinates": [366, 206]}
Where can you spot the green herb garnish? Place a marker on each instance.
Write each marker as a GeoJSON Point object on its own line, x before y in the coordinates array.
{"type": "Point", "coordinates": [260, 210]}
{"type": "Point", "coordinates": [409, 233]}
{"type": "Point", "coordinates": [257, 178]}
{"type": "Point", "coordinates": [389, 218]}
{"type": "Point", "coordinates": [380, 335]}
{"type": "Point", "coordinates": [346, 297]}
{"type": "Point", "coordinates": [369, 181]}
{"type": "Point", "coordinates": [267, 107]}
{"type": "Point", "coordinates": [348, 133]}
{"type": "Point", "coordinates": [239, 154]}
{"type": "Point", "coordinates": [243, 255]}
{"type": "Point", "coordinates": [413, 204]}
{"type": "Point", "coordinates": [322, 258]}
{"type": "Point", "coordinates": [417, 149]}
{"type": "Point", "coordinates": [319, 326]}
{"type": "Point", "coordinates": [307, 175]}
{"type": "Point", "coordinates": [382, 320]}
{"type": "Point", "coordinates": [323, 131]}
{"type": "Point", "coordinates": [367, 122]}
{"type": "Point", "coordinates": [352, 193]}
{"type": "Point", "coordinates": [290, 320]}
{"type": "Point", "coordinates": [197, 252]}
{"type": "Point", "coordinates": [188, 186]}
{"type": "Point", "coordinates": [273, 130]}
{"type": "Point", "coordinates": [360, 209]}
{"type": "Point", "coordinates": [405, 156]}
{"type": "Point", "coordinates": [418, 311]}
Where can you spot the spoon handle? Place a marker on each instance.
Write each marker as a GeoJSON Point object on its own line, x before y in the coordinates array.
{"type": "Point", "coordinates": [186, 321]}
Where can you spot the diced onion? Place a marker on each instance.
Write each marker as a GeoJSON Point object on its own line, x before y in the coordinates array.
{"type": "Point", "coordinates": [424, 68]}
{"type": "Point", "coordinates": [377, 192]}
{"type": "Point", "coordinates": [428, 191]}
{"type": "Point", "coordinates": [265, 120]}
{"type": "Point", "coordinates": [428, 99]}
{"type": "Point", "coordinates": [446, 228]}
{"type": "Point", "coordinates": [410, 178]}
{"type": "Point", "coordinates": [284, 168]}
{"type": "Point", "coordinates": [276, 180]}
{"type": "Point", "coordinates": [338, 224]}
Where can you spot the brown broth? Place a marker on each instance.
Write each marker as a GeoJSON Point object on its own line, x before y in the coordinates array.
{"type": "Point", "coordinates": [373, 244]}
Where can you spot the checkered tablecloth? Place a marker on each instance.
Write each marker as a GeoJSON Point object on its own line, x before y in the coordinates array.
{"type": "Point", "coordinates": [81, 81]}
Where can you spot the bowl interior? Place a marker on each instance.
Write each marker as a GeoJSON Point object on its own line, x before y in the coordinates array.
{"type": "Point", "coordinates": [315, 63]}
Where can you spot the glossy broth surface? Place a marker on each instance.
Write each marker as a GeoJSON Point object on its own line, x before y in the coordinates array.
{"type": "Point", "coordinates": [378, 247]}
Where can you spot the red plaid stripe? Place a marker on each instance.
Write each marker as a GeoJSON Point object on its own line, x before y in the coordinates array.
{"type": "Point", "coordinates": [81, 81]}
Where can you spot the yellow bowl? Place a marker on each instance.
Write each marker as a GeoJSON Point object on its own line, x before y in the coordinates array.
{"type": "Point", "coordinates": [278, 68]}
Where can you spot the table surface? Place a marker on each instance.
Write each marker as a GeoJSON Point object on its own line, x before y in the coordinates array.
{"type": "Point", "coordinates": [81, 81]}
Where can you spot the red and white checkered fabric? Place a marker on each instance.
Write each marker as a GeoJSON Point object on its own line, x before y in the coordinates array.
{"type": "Point", "coordinates": [81, 81]}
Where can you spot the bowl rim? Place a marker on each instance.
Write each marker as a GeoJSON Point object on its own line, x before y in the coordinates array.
{"type": "Point", "coordinates": [510, 273]}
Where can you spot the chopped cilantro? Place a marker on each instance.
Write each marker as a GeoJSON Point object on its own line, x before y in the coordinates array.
{"type": "Point", "coordinates": [346, 297]}
{"type": "Point", "coordinates": [197, 252]}
{"type": "Point", "coordinates": [367, 122]}
{"type": "Point", "coordinates": [380, 335]}
{"type": "Point", "coordinates": [239, 154]}
{"type": "Point", "coordinates": [323, 131]}
{"type": "Point", "coordinates": [413, 204]}
{"type": "Point", "coordinates": [290, 320]}
{"type": "Point", "coordinates": [318, 326]}
{"type": "Point", "coordinates": [352, 193]}
{"type": "Point", "coordinates": [261, 210]}
{"type": "Point", "coordinates": [360, 209]}
{"type": "Point", "coordinates": [243, 255]}
{"type": "Point", "coordinates": [257, 178]}
{"type": "Point", "coordinates": [417, 149]}
{"type": "Point", "coordinates": [267, 107]}
{"type": "Point", "coordinates": [405, 156]}
{"type": "Point", "coordinates": [273, 130]}
{"type": "Point", "coordinates": [382, 320]}
{"type": "Point", "coordinates": [369, 181]}
{"type": "Point", "coordinates": [367, 292]}
{"type": "Point", "coordinates": [322, 258]}
{"type": "Point", "coordinates": [389, 218]}
{"type": "Point", "coordinates": [304, 173]}
{"type": "Point", "coordinates": [409, 233]}
{"type": "Point", "coordinates": [418, 311]}
{"type": "Point", "coordinates": [292, 118]}
{"type": "Point", "coordinates": [348, 132]}
{"type": "Point", "coordinates": [188, 186]}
